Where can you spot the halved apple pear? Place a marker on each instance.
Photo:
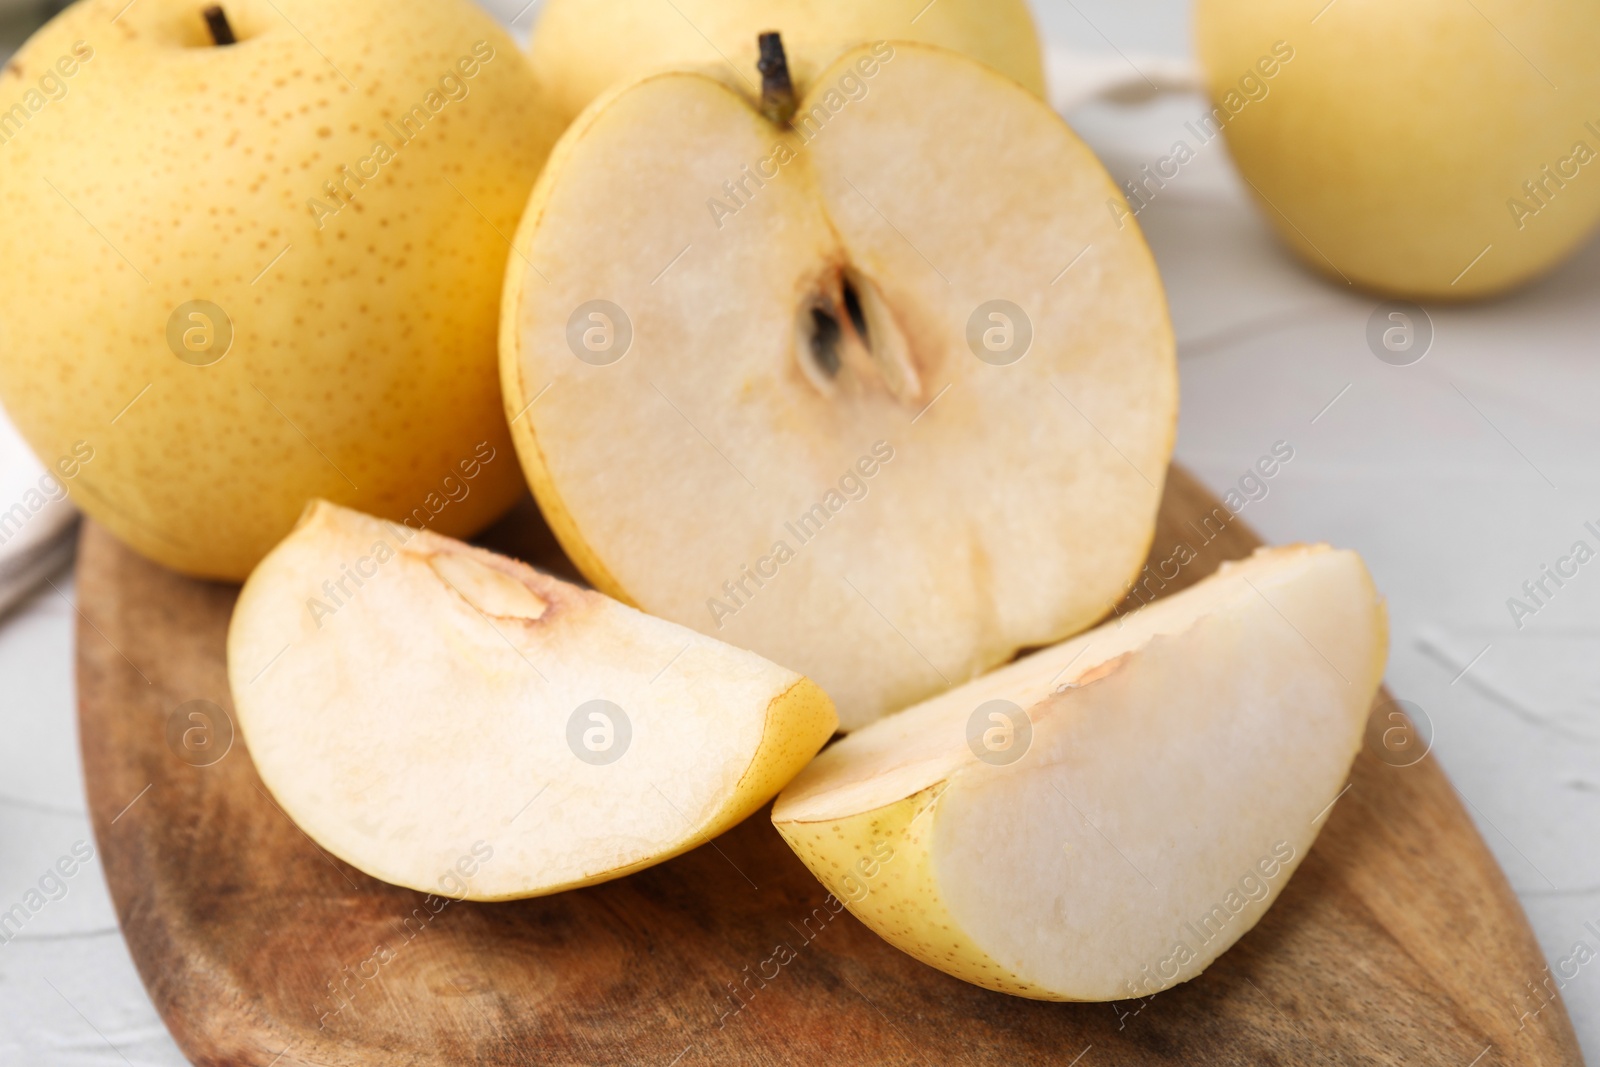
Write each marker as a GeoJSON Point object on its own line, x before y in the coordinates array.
{"type": "Point", "coordinates": [886, 394]}
{"type": "Point", "coordinates": [454, 721]}
{"type": "Point", "coordinates": [1104, 818]}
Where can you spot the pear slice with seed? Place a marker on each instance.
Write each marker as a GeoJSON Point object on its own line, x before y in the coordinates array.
{"type": "Point", "coordinates": [1102, 819]}
{"type": "Point", "coordinates": [454, 721]}
{"type": "Point", "coordinates": [886, 394]}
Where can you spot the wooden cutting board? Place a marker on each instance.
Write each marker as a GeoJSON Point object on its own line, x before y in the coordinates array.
{"type": "Point", "coordinates": [1398, 941]}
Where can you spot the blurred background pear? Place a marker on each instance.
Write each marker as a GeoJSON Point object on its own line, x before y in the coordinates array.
{"type": "Point", "coordinates": [583, 47]}
{"type": "Point", "coordinates": [1433, 149]}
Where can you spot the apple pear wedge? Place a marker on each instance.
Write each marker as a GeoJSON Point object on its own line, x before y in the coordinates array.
{"type": "Point", "coordinates": [454, 721]}
{"type": "Point", "coordinates": [1103, 819]}
{"type": "Point", "coordinates": [884, 393]}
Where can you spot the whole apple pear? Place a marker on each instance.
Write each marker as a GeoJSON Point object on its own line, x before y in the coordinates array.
{"type": "Point", "coordinates": [254, 257]}
{"type": "Point", "coordinates": [583, 47]}
{"type": "Point", "coordinates": [1436, 149]}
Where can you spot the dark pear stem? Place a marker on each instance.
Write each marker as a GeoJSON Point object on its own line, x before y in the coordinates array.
{"type": "Point", "coordinates": [217, 22]}
{"type": "Point", "coordinates": [777, 88]}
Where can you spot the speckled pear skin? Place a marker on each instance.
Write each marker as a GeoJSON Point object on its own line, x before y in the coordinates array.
{"type": "Point", "coordinates": [890, 886]}
{"type": "Point", "coordinates": [164, 170]}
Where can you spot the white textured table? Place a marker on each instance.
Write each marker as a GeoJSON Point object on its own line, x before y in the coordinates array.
{"type": "Point", "coordinates": [1457, 477]}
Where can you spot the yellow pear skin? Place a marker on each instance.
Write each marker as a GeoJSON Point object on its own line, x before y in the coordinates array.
{"type": "Point", "coordinates": [583, 47]}
{"type": "Point", "coordinates": [879, 864]}
{"type": "Point", "coordinates": [1434, 150]}
{"type": "Point", "coordinates": [251, 275]}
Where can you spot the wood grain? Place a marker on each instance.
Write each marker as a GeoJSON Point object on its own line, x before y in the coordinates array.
{"type": "Point", "coordinates": [1398, 941]}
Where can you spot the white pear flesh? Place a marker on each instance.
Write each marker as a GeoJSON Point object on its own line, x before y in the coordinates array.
{"type": "Point", "coordinates": [1181, 763]}
{"type": "Point", "coordinates": [716, 475]}
{"type": "Point", "coordinates": [413, 719]}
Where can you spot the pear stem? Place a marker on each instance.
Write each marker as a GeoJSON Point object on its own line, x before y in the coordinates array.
{"type": "Point", "coordinates": [777, 88]}
{"type": "Point", "coordinates": [217, 22]}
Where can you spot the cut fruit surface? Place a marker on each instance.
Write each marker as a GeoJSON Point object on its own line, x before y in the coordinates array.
{"type": "Point", "coordinates": [886, 395]}
{"type": "Point", "coordinates": [1104, 818]}
{"type": "Point", "coordinates": [454, 721]}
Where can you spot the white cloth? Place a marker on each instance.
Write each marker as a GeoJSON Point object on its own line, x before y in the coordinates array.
{"type": "Point", "coordinates": [37, 521]}
{"type": "Point", "coordinates": [1078, 78]}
